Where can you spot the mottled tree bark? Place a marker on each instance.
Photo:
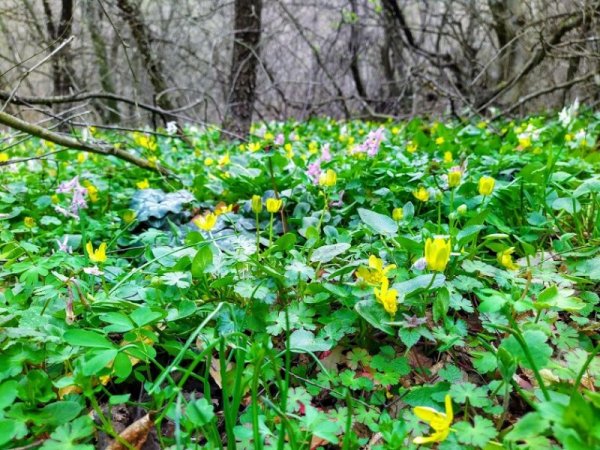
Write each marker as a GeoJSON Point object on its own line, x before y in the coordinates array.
{"type": "Point", "coordinates": [244, 62]}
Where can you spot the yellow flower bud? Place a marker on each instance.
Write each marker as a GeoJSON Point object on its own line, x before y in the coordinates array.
{"type": "Point", "coordinates": [440, 140]}
{"type": "Point", "coordinates": [454, 177]}
{"type": "Point", "coordinates": [506, 260]}
{"type": "Point", "coordinates": [144, 184]}
{"type": "Point", "coordinates": [328, 178]}
{"type": "Point", "coordinates": [486, 185]}
{"type": "Point", "coordinates": [4, 157]}
{"type": "Point", "coordinates": [398, 214]}
{"type": "Point", "coordinates": [256, 204]}
{"type": "Point", "coordinates": [29, 222]}
{"type": "Point", "coordinates": [273, 205]}
{"type": "Point", "coordinates": [437, 253]}
{"type": "Point", "coordinates": [448, 157]}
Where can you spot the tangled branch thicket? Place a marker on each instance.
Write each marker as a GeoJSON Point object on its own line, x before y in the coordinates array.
{"type": "Point", "coordinates": [355, 58]}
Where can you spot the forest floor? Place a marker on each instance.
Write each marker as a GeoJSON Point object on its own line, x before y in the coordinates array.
{"type": "Point", "coordinates": [325, 285]}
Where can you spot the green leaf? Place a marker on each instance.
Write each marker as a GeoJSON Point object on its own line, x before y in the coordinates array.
{"type": "Point", "coordinates": [305, 341]}
{"type": "Point", "coordinates": [86, 338]}
{"type": "Point", "coordinates": [200, 412]}
{"type": "Point", "coordinates": [203, 259]}
{"type": "Point", "coordinates": [144, 316]}
{"type": "Point", "coordinates": [507, 364]}
{"type": "Point", "coordinates": [8, 393]}
{"type": "Point", "coordinates": [531, 424]}
{"type": "Point", "coordinates": [374, 313]}
{"type": "Point", "coordinates": [379, 223]}
{"type": "Point", "coordinates": [326, 253]}
{"type": "Point", "coordinates": [536, 342]}
{"type": "Point", "coordinates": [477, 396]}
{"type": "Point", "coordinates": [479, 434]}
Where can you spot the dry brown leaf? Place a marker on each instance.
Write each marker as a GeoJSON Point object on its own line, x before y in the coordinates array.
{"type": "Point", "coordinates": [135, 434]}
{"type": "Point", "coordinates": [215, 370]}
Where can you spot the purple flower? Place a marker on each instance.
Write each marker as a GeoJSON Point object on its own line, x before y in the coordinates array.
{"type": "Point", "coordinates": [63, 246]}
{"type": "Point", "coordinates": [279, 139]}
{"type": "Point", "coordinates": [325, 153]}
{"type": "Point", "coordinates": [314, 171]}
{"type": "Point", "coordinates": [420, 264]}
{"type": "Point", "coordinates": [67, 187]}
{"type": "Point", "coordinates": [371, 144]}
{"type": "Point", "coordinates": [78, 201]}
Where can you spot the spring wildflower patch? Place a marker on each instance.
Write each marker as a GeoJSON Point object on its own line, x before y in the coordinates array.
{"type": "Point", "coordinates": [324, 285]}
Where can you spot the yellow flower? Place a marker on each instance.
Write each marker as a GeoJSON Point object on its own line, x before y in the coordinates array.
{"type": "Point", "coordinates": [421, 194]}
{"type": "Point", "coordinates": [273, 205]}
{"type": "Point", "coordinates": [4, 157]}
{"type": "Point", "coordinates": [144, 184]}
{"type": "Point", "coordinates": [568, 137]}
{"type": "Point", "coordinates": [486, 185]}
{"type": "Point", "coordinates": [440, 140]}
{"type": "Point", "coordinates": [55, 199]}
{"type": "Point", "coordinates": [439, 421]}
{"type": "Point", "coordinates": [223, 208]}
{"type": "Point", "coordinates": [313, 147]}
{"type": "Point", "coordinates": [29, 222]}
{"type": "Point", "coordinates": [328, 178]}
{"type": "Point", "coordinates": [152, 160]}
{"type": "Point", "coordinates": [289, 150]}
{"type": "Point", "coordinates": [387, 297]}
{"type": "Point", "coordinates": [96, 256]}
{"type": "Point", "coordinates": [209, 162]}
{"type": "Point", "coordinates": [398, 214]}
{"type": "Point", "coordinates": [254, 146]}
{"type": "Point", "coordinates": [92, 192]}
{"type": "Point", "coordinates": [411, 147]}
{"type": "Point", "coordinates": [268, 136]}
{"type": "Point", "coordinates": [437, 253]}
{"type": "Point", "coordinates": [145, 141]}
{"type": "Point", "coordinates": [448, 157]}
{"type": "Point", "coordinates": [256, 204]}
{"type": "Point", "coordinates": [81, 157]}
{"type": "Point", "coordinates": [454, 177]}
{"type": "Point", "coordinates": [376, 272]}
{"type": "Point", "coordinates": [129, 216]}
{"type": "Point", "coordinates": [206, 222]}
{"type": "Point", "coordinates": [395, 130]}
{"type": "Point", "coordinates": [524, 142]}
{"type": "Point", "coordinates": [224, 160]}
{"type": "Point", "coordinates": [505, 258]}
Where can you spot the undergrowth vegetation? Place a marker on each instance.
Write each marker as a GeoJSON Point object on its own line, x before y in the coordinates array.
{"type": "Point", "coordinates": [324, 285]}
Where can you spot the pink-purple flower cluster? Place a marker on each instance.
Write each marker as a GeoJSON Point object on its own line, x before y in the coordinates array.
{"type": "Point", "coordinates": [371, 144]}
{"type": "Point", "coordinates": [77, 202]}
{"type": "Point", "coordinates": [314, 169]}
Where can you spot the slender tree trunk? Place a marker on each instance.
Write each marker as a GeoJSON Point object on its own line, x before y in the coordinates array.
{"type": "Point", "coordinates": [244, 61]}
{"type": "Point", "coordinates": [62, 71]}
{"type": "Point", "coordinates": [110, 110]}
{"type": "Point", "coordinates": [133, 16]}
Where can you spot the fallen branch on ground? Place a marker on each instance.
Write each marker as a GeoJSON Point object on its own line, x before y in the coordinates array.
{"type": "Point", "coordinates": [69, 142]}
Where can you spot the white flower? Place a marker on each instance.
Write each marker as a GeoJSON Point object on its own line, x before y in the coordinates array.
{"type": "Point", "coordinates": [567, 115]}
{"type": "Point", "coordinates": [171, 127]}
{"type": "Point", "coordinates": [93, 271]}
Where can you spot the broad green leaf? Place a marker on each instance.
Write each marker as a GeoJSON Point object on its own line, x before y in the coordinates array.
{"type": "Point", "coordinates": [379, 223]}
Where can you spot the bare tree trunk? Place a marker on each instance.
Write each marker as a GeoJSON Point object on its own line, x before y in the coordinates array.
{"type": "Point", "coordinates": [109, 113]}
{"type": "Point", "coordinates": [133, 16]}
{"type": "Point", "coordinates": [62, 71]}
{"type": "Point", "coordinates": [244, 61]}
